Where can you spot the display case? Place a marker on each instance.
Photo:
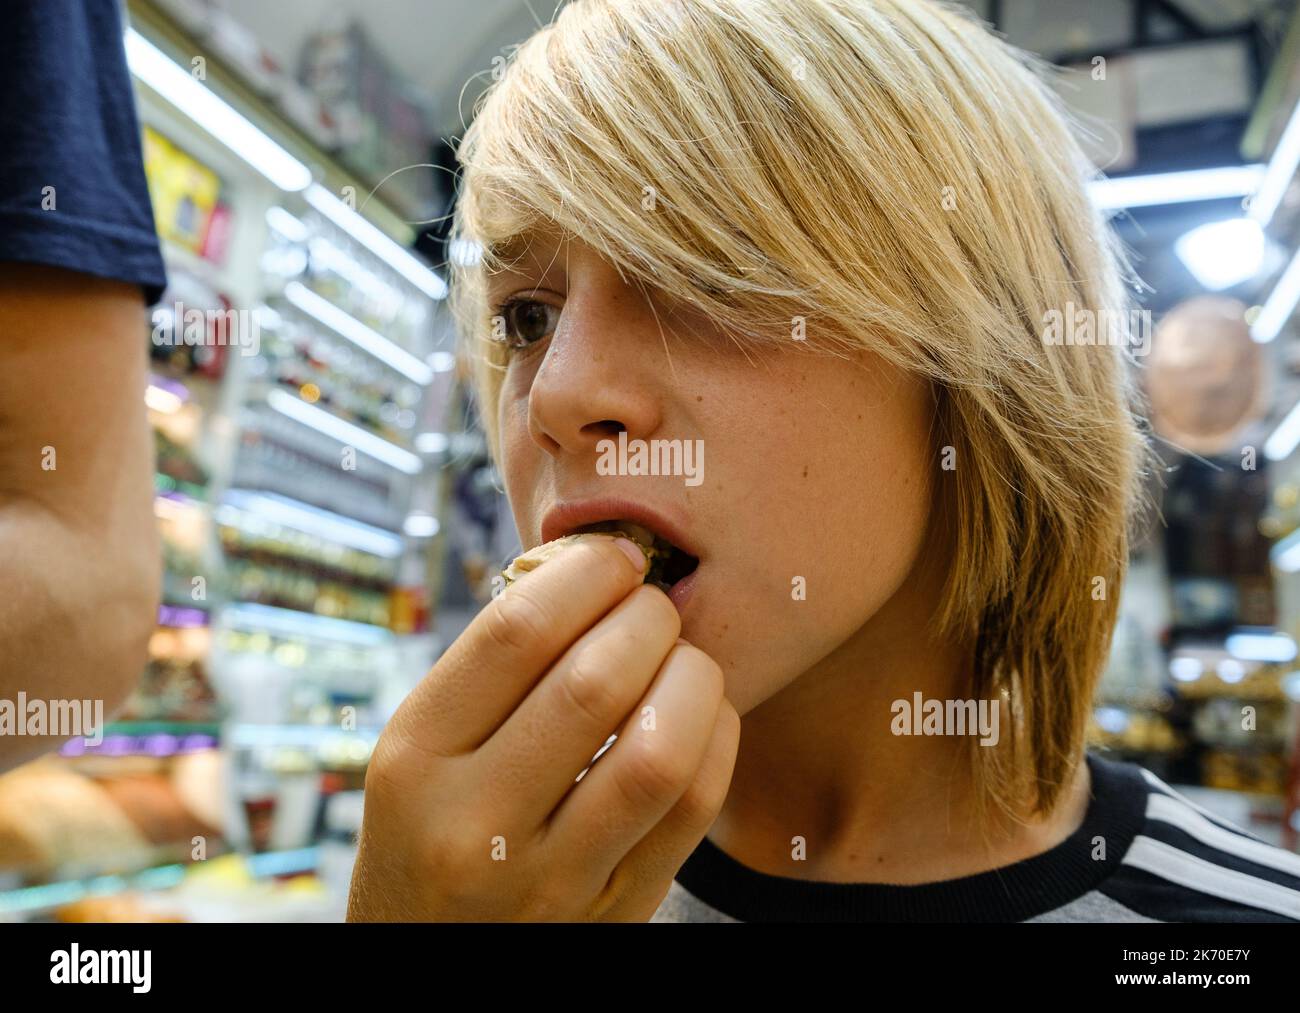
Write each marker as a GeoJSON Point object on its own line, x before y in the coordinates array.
{"type": "Point", "coordinates": [298, 356]}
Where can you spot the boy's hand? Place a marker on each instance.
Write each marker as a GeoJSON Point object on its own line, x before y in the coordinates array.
{"type": "Point", "coordinates": [471, 808]}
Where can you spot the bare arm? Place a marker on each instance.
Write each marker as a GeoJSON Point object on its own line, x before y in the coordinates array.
{"type": "Point", "coordinates": [79, 553]}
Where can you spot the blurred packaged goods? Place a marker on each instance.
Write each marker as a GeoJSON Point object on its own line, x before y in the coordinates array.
{"type": "Point", "coordinates": [381, 123]}
{"type": "Point", "coordinates": [186, 194]}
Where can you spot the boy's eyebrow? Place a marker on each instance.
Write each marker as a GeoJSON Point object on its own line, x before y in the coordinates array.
{"type": "Point", "coordinates": [516, 247]}
{"type": "Point", "coordinates": [519, 254]}
{"type": "Point", "coordinates": [509, 249]}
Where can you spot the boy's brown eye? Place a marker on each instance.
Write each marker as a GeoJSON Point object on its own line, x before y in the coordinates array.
{"type": "Point", "coordinates": [526, 321]}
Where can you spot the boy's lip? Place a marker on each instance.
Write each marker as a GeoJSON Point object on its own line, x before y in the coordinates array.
{"type": "Point", "coordinates": [566, 516]}
{"type": "Point", "coordinates": [680, 593]}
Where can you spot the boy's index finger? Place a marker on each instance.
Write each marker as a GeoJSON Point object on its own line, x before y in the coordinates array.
{"type": "Point", "coordinates": [486, 673]}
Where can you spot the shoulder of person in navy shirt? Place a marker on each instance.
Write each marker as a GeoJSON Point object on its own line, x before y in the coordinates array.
{"type": "Point", "coordinates": [79, 262]}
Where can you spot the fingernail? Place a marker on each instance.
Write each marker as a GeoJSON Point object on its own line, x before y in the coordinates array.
{"type": "Point", "coordinates": [633, 552]}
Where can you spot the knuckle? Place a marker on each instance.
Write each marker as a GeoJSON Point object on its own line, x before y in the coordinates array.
{"type": "Point", "coordinates": [700, 803]}
{"type": "Point", "coordinates": [650, 772]}
{"type": "Point", "coordinates": [458, 870]}
{"type": "Point", "coordinates": [584, 687]}
{"type": "Point", "coordinates": [515, 622]}
{"type": "Point", "coordinates": [383, 756]}
{"type": "Point", "coordinates": [462, 851]}
{"type": "Point", "coordinates": [409, 742]}
{"type": "Point", "coordinates": [388, 769]}
{"type": "Point", "coordinates": [699, 806]}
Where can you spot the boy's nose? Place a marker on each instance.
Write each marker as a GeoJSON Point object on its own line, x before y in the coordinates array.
{"type": "Point", "coordinates": [599, 375]}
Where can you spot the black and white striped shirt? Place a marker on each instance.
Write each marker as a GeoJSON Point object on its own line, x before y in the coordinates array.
{"type": "Point", "coordinates": [1144, 853]}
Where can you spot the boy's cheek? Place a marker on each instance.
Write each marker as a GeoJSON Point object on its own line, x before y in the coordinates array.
{"type": "Point", "coordinates": [769, 622]}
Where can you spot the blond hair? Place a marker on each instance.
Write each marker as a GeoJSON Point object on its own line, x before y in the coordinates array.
{"type": "Point", "coordinates": [907, 183]}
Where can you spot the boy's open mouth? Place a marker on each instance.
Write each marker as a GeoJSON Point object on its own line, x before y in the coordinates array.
{"type": "Point", "coordinates": [666, 563]}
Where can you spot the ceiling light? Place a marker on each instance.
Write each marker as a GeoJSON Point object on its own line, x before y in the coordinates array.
{"type": "Point", "coordinates": [1280, 171]}
{"type": "Point", "coordinates": [442, 362]}
{"type": "Point", "coordinates": [431, 443]}
{"type": "Point", "coordinates": [1285, 437]}
{"type": "Point", "coordinates": [421, 525]}
{"type": "Point", "coordinates": [1280, 304]}
{"type": "Point", "coordinates": [1222, 254]}
{"type": "Point", "coordinates": [1175, 187]}
{"type": "Point", "coordinates": [1268, 646]}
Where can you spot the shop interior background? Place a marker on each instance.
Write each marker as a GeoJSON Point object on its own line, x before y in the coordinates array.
{"type": "Point", "coordinates": [304, 599]}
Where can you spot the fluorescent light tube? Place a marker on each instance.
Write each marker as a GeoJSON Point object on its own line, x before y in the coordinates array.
{"type": "Point", "coordinates": [442, 362]}
{"type": "Point", "coordinates": [358, 333]}
{"type": "Point", "coordinates": [170, 80]}
{"type": "Point", "coordinates": [345, 432]}
{"type": "Point", "coordinates": [1286, 553]}
{"type": "Point", "coordinates": [431, 443]}
{"type": "Point", "coordinates": [312, 520]}
{"type": "Point", "coordinates": [392, 253]}
{"type": "Point", "coordinates": [287, 622]}
{"type": "Point", "coordinates": [1279, 173]}
{"type": "Point", "coordinates": [1222, 254]}
{"type": "Point", "coordinates": [1285, 437]}
{"type": "Point", "coordinates": [1261, 647]}
{"type": "Point", "coordinates": [268, 317]}
{"type": "Point", "coordinates": [1175, 187]}
{"type": "Point", "coordinates": [286, 224]}
{"type": "Point", "coordinates": [1280, 304]}
{"type": "Point", "coordinates": [247, 733]}
{"type": "Point", "coordinates": [421, 525]}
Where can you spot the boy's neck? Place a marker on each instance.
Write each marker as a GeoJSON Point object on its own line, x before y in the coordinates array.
{"type": "Point", "coordinates": [922, 838]}
{"type": "Point", "coordinates": [821, 761]}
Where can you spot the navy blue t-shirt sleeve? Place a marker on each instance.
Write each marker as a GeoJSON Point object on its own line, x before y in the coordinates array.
{"type": "Point", "coordinates": [72, 183]}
